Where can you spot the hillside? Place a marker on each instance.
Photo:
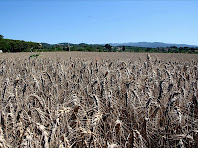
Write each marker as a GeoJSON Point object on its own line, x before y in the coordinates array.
{"type": "Point", "coordinates": [151, 44]}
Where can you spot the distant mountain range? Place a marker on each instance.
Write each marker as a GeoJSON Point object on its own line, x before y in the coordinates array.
{"type": "Point", "coordinates": [151, 44]}
{"type": "Point", "coordinates": [137, 44]}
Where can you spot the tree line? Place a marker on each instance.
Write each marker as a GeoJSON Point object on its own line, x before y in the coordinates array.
{"type": "Point", "coordinates": [9, 45]}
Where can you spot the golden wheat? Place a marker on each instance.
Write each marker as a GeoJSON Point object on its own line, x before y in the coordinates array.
{"type": "Point", "coordinates": [79, 102]}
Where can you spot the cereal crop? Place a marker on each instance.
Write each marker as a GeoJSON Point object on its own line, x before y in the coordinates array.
{"type": "Point", "coordinates": [99, 100]}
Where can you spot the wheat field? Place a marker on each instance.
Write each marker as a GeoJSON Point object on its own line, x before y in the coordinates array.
{"type": "Point", "coordinates": [98, 100]}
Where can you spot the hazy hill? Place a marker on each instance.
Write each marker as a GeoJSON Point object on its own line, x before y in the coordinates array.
{"type": "Point", "coordinates": [151, 44]}
{"type": "Point", "coordinates": [138, 44]}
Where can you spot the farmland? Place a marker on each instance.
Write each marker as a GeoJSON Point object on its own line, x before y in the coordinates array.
{"type": "Point", "coordinates": [80, 99]}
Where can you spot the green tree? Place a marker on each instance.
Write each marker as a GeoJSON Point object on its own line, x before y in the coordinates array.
{"type": "Point", "coordinates": [123, 48]}
{"type": "Point", "coordinates": [108, 47]}
{"type": "Point", "coordinates": [1, 37]}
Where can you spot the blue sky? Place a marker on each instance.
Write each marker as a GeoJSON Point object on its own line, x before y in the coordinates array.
{"type": "Point", "coordinates": [100, 21]}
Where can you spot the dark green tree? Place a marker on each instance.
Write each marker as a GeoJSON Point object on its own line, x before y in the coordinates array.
{"type": "Point", "coordinates": [108, 47]}
{"type": "Point", "coordinates": [123, 48]}
{"type": "Point", "coordinates": [1, 37]}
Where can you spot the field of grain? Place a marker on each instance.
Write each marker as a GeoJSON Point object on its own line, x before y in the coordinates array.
{"type": "Point", "coordinates": [114, 100]}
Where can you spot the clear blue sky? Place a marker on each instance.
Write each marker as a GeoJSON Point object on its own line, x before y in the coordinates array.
{"type": "Point", "coordinates": [100, 21]}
